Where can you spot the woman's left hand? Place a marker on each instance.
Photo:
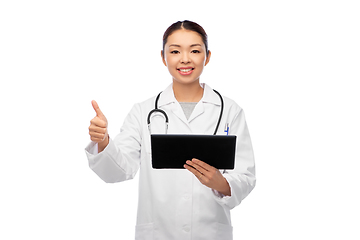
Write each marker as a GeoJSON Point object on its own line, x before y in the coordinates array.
{"type": "Point", "coordinates": [208, 175]}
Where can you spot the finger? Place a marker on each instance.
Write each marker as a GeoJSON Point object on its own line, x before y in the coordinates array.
{"type": "Point", "coordinates": [195, 167]}
{"type": "Point", "coordinates": [207, 170]}
{"type": "Point", "coordinates": [97, 121]}
{"type": "Point", "coordinates": [97, 109]}
{"type": "Point", "coordinates": [97, 135]}
{"type": "Point", "coordinates": [202, 164]}
{"type": "Point", "coordinates": [98, 140]}
{"type": "Point", "coordinates": [94, 128]}
{"type": "Point", "coordinates": [194, 171]}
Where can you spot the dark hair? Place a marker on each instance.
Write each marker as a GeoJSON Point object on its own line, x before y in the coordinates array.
{"type": "Point", "coordinates": [187, 25]}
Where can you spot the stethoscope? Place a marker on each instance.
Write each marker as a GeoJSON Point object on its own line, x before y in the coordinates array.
{"type": "Point", "coordinates": [167, 119]}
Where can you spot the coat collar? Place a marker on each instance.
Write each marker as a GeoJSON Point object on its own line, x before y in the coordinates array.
{"type": "Point", "coordinates": [209, 96]}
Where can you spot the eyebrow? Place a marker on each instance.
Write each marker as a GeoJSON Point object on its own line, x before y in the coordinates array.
{"type": "Point", "coordinates": [193, 45]}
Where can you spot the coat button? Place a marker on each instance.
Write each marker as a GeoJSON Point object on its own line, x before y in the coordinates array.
{"type": "Point", "coordinates": [186, 229]}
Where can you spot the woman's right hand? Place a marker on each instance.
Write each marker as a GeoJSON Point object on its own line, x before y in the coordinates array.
{"type": "Point", "coordinates": [98, 128]}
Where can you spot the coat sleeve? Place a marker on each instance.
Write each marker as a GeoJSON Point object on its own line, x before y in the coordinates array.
{"type": "Point", "coordinates": [120, 160]}
{"type": "Point", "coordinates": [242, 179]}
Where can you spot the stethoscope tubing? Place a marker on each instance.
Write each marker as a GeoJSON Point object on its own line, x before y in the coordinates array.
{"type": "Point", "coordinates": [221, 111]}
{"type": "Point", "coordinates": [167, 119]}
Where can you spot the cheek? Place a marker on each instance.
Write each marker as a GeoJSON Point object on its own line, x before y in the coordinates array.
{"type": "Point", "coordinates": [171, 62]}
{"type": "Point", "coordinates": [201, 61]}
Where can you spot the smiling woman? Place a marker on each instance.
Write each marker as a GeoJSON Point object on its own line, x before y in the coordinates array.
{"type": "Point", "coordinates": [193, 202]}
{"type": "Point", "coordinates": [185, 53]}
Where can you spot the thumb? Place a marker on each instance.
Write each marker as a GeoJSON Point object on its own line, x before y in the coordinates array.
{"type": "Point", "coordinates": [97, 109]}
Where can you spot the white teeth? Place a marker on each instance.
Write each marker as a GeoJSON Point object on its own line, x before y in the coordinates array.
{"type": "Point", "coordinates": [185, 70]}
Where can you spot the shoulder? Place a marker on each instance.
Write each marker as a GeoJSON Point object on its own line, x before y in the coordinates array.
{"type": "Point", "coordinates": [148, 101]}
{"type": "Point", "coordinates": [232, 108]}
{"type": "Point", "coordinates": [140, 108]}
{"type": "Point", "coordinates": [229, 103]}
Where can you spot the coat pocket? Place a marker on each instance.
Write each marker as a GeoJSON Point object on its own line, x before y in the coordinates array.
{"type": "Point", "coordinates": [144, 232]}
{"type": "Point", "coordinates": [224, 232]}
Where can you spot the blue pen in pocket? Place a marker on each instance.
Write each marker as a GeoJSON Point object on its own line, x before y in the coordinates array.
{"type": "Point", "coordinates": [227, 128]}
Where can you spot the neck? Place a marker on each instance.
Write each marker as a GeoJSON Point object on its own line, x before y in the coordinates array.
{"type": "Point", "coordinates": [192, 92]}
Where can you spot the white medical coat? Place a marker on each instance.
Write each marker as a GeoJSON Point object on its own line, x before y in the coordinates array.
{"type": "Point", "coordinates": [173, 204]}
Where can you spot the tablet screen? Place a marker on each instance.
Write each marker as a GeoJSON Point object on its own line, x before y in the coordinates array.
{"type": "Point", "coordinates": [172, 150]}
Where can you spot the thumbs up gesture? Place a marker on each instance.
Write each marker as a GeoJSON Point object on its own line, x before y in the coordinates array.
{"type": "Point", "coordinates": [98, 127]}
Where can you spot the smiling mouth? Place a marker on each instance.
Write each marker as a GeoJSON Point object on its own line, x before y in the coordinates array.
{"type": "Point", "coordinates": [185, 70]}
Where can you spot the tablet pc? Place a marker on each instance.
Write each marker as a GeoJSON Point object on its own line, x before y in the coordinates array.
{"type": "Point", "coordinates": [172, 150]}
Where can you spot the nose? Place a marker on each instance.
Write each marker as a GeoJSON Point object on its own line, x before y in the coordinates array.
{"type": "Point", "coordinates": [185, 58]}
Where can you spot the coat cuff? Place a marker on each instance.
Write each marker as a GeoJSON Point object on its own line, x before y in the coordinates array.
{"type": "Point", "coordinates": [226, 201]}
{"type": "Point", "coordinates": [92, 153]}
{"type": "Point", "coordinates": [92, 148]}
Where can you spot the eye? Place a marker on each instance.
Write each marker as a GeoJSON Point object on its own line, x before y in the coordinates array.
{"type": "Point", "coordinates": [195, 51]}
{"type": "Point", "coordinates": [174, 52]}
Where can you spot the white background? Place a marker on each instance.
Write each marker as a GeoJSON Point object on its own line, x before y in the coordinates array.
{"type": "Point", "coordinates": [293, 66]}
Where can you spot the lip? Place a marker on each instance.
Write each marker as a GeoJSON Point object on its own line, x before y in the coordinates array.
{"type": "Point", "coordinates": [185, 73]}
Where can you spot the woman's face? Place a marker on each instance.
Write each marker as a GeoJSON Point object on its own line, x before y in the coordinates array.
{"type": "Point", "coordinates": [185, 56]}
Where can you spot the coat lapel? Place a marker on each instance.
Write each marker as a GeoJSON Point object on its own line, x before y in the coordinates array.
{"type": "Point", "coordinates": [178, 111]}
{"type": "Point", "coordinates": [168, 98]}
{"type": "Point", "coordinates": [198, 110]}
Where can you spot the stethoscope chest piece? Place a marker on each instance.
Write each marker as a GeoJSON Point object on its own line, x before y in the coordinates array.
{"type": "Point", "coordinates": [163, 113]}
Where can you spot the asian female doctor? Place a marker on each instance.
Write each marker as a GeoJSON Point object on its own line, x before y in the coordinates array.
{"type": "Point", "coordinates": [190, 203]}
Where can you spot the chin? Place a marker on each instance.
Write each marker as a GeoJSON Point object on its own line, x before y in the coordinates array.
{"type": "Point", "coordinates": [186, 82]}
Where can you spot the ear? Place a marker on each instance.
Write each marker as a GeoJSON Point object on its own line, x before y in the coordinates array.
{"type": "Point", "coordinates": [163, 57]}
{"type": "Point", "coordinates": [208, 58]}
